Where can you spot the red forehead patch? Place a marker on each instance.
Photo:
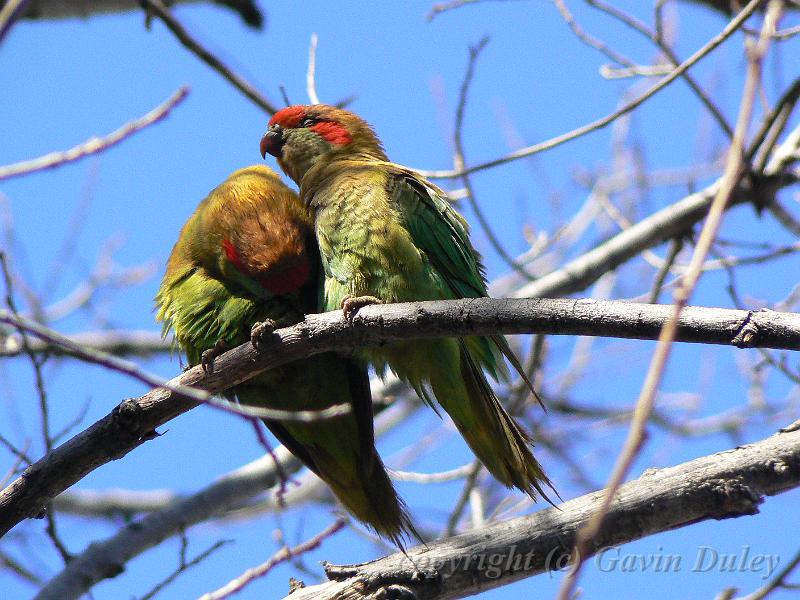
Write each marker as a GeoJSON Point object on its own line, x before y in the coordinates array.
{"type": "Point", "coordinates": [289, 117]}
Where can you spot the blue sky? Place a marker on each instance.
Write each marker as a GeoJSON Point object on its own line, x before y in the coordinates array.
{"type": "Point", "coordinates": [66, 81]}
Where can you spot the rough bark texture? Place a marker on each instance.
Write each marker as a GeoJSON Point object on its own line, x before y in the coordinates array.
{"type": "Point", "coordinates": [728, 484]}
{"type": "Point", "coordinates": [134, 421]}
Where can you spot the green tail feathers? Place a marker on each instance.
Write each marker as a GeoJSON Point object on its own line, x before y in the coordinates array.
{"type": "Point", "coordinates": [341, 450]}
{"type": "Point", "coordinates": [362, 486]}
{"type": "Point", "coordinates": [372, 499]}
{"type": "Point", "coordinates": [493, 435]}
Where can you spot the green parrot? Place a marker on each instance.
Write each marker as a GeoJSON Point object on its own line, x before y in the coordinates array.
{"type": "Point", "coordinates": [386, 234]}
{"type": "Point", "coordinates": [247, 257]}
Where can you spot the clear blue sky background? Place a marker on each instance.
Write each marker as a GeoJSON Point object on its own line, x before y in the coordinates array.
{"type": "Point", "coordinates": [65, 81]}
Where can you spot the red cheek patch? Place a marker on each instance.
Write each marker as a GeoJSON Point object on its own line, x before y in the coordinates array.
{"type": "Point", "coordinates": [231, 253]}
{"type": "Point", "coordinates": [332, 132]}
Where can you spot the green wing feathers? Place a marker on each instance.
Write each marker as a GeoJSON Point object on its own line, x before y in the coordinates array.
{"type": "Point", "coordinates": [443, 236]}
{"type": "Point", "coordinates": [200, 310]}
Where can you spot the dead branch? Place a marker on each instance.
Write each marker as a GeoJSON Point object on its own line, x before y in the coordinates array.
{"type": "Point", "coordinates": [184, 37]}
{"type": "Point", "coordinates": [95, 144]}
{"type": "Point", "coordinates": [724, 485]}
{"type": "Point", "coordinates": [119, 343]}
{"type": "Point", "coordinates": [66, 9]}
{"type": "Point", "coordinates": [134, 421]}
{"type": "Point", "coordinates": [231, 494]}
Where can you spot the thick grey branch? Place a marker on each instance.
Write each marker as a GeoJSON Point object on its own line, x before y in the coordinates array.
{"type": "Point", "coordinates": [727, 484]}
{"type": "Point", "coordinates": [107, 558]}
{"type": "Point", "coordinates": [65, 9]}
{"type": "Point", "coordinates": [134, 421]}
{"type": "Point", "coordinates": [673, 221]}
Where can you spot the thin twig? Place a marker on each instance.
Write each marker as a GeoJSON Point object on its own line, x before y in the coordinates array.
{"type": "Point", "coordinates": [784, 217]}
{"type": "Point", "coordinates": [459, 161]}
{"type": "Point", "coordinates": [44, 409]}
{"type": "Point", "coordinates": [129, 368]}
{"type": "Point", "coordinates": [440, 477]}
{"type": "Point", "coordinates": [281, 556]}
{"type": "Point", "coordinates": [13, 469]}
{"type": "Point", "coordinates": [21, 454]}
{"type": "Point", "coordinates": [463, 498]}
{"type": "Point", "coordinates": [437, 9]}
{"type": "Point", "coordinates": [77, 221]}
{"type": "Point", "coordinates": [119, 343]}
{"type": "Point", "coordinates": [653, 36]}
{"type": "Point", "coordinates": [52, 532]}
{"type": "Point", "coordinates": [9, 14]}
{"type": "Point", "coordinates": [777, 583]}
{"type": "Point", "coordinates": [184, 37]}
{"type": "Point", "coordinates": [94, 145]}
{"type": "Point", "coordinates": [311, 86]}
{"type": "Point", "coordinates": [589, 40]}
{"type": "Point", "coordinates": [609, 72]}
{"type": "Point", "coordinates": [184, 566]}
{"type": "Point", "coordinates": [644, 405]}
{"type": "Point", "coordinates": [772, 127]}
{"type": "Point", "coordinates": [785, 34]}
{"type": "Point", "coordinates": [707, 48]}
{"type": "Point", "coordinates": [13, 565]}
{"type": "Point", "coordinates": [36, 362]}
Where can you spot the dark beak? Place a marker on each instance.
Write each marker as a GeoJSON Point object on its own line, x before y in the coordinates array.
{"type": "Point", "coordinates": [272, 142]}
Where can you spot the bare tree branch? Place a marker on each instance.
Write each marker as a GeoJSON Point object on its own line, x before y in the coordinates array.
{"type": "Point", "coordinates": [311, 85]}
{"type": "Point", "coordinates": [120, 343]}
{"type": "Point", "coordinates": [723, 485]}
{"type": "Point", "coordinates": [134, 421]}
{"type": "Point", "coordinates": [282, 555]}
{"type": "Point", "coordinates": [635, 440]}
{"type": "Point", "coordinates": [730, 28]}
{"type": "Point", "coordinates": [228, 495]}
{"type": "Point", "coordinates": [64, 9]}
{"type": "Point", "coordinates": [668, 223]}
{"type": "Point", "coordinates": [185, 38]}
{"type": "Point", "coordinates": [94, 145]}
{"type": "Point", "coordinates": [777, 583]}
{"type": "Point", "coordinates": [10, 12]}
{"type": "Point", "coordinates": [654, 37]}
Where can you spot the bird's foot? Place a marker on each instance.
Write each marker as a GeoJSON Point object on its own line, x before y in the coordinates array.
{"type": "Point", "coordinates": [208, 356]}
{"type": "Point", "coordinates": [352, 304]}
{"type": "Point", "coordinates": [261, 331]}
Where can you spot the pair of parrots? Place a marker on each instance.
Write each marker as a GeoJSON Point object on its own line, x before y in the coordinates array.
{"type": "Point", "coordinates": [364, 230]}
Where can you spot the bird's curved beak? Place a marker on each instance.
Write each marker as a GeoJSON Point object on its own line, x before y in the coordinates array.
{"type": "Point", "coordinates": [272, 142]}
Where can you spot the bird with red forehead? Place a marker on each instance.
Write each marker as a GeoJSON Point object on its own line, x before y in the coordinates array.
{"type": "Point", "coordinates": [386, 234]}
{"type": "Point", "coordinates": [245, 261]}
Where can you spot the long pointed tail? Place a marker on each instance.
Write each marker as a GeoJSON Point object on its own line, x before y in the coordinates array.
{"type": "Point", "coordinates": [372, 499]}
{"type": "Point", "coordinates": [362, 484]}
{"type": "Point", "coordinates": [341, 450]}
{"type": "Point", "coordinates": [494, 436]}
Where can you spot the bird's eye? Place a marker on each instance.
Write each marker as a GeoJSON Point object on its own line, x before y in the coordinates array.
{"type": "Point", "coordinates": [308, 122]}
